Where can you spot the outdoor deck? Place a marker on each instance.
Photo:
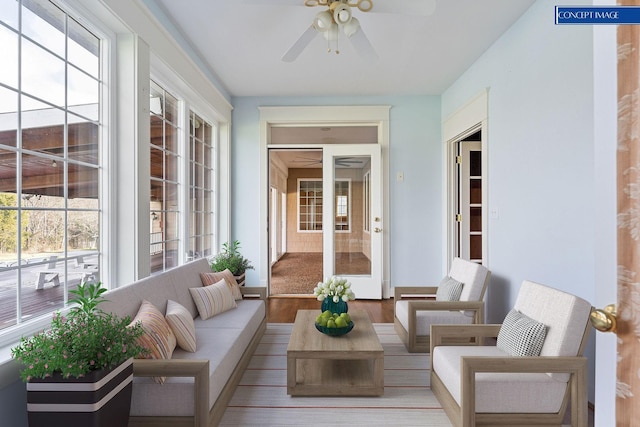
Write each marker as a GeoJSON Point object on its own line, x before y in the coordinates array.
{"type": "Point", "coordinates": [36, 302]}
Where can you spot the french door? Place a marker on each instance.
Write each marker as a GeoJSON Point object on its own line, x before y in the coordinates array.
{"type": "Point", "coordinates": [352, 216]}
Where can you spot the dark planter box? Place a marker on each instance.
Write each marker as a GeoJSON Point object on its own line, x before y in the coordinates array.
{"type": "Point", "coordinates": [102, 398]}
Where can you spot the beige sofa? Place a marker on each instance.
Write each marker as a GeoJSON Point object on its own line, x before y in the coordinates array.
{"type": "Point", "coordinates": [199, 385]}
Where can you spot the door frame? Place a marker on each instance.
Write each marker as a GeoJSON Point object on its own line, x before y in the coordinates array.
{"type": "Point", "coordinates": [301, 116]}
{"type": "Point", "coordinates": [468, 119]}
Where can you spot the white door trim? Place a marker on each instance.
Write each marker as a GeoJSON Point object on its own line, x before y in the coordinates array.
{"type": "Point", "coordinates": [472, 115]}
{"type": "Point", "coordinates": [318, 116]}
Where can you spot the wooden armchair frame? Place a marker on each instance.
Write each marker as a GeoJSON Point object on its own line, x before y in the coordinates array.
{"type": "Point", "coordinates": [416, 302]}
{"type": "Point", "coordinates": [421, 343]}
{"type": "Point", "coordinates": [465, 415]}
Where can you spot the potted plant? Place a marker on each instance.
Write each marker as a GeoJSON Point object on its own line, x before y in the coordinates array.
{"type": "Point", "coordinates": [86, 346]}
{"type": "Point", "coordinates": [230, 258]}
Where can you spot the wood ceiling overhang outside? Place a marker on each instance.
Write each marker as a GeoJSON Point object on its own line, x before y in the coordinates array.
{"type": "Point", "coordinates": [40, 175]}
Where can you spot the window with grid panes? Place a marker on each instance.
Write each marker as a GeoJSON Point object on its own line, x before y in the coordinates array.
{"type": "Point", "coordinates": [164, 172]}
{"type": "Point", "coordinates": [50, 121]}
{"type": "Point", "coordinates": [201, 187]}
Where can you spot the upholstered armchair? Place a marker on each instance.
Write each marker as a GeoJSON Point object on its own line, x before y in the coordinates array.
{"type": "Point", "coordinates": [457, 300]}
{"type": "Point", "coordinates": [530, 373]}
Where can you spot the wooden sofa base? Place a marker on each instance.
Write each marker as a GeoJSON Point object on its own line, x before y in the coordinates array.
{"type": "Point", "coordinates": [217, 411]}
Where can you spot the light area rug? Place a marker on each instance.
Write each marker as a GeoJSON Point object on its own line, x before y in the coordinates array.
{"type": "Point", "coordinates": [261, 398]}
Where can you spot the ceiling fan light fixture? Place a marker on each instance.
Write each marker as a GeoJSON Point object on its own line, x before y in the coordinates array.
{"type": "Point", "coordinates": [322, 22]}
{"type": "Point", "coordinates": [342, 13]}
{"type": "Point", "coordinates": [351, 27]}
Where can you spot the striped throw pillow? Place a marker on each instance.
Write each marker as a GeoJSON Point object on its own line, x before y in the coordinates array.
{"type": "Point", "coordinates": [158, 338]}
{"type": "Point", "coordinates": [227, 275]}
{"type": "Point", "coordinates": [181, 323]}
{"type": "Point", "coordinates": [213, 299]}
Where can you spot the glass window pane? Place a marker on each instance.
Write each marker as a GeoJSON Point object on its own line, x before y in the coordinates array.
{"type": "Point", "coordinates": [42, 74]}
{"type": "Point", "coordinates": [8, 168]}
{"type": "Point", "coordinates": [171, 108]}
{"type": "Point", "coordinates": [171, 165]}
{"type": "Point", "coordinates": [83, 49]}
{"type": "Point", "coordinates": [9, 69]}
{"type": "Point", "coordinates": [43, 131]}
{"type": "Point", "coordinates": [82, 182]}
{"type": "Point", "coordinates": [83, 140]}
{"type": "Point", "coordinates": [8, 117]}
{"type": "Point", "coordinates": [171, 138]}
{"type": "Point", "coordinates": [42, 176]}
{"type": "Point", "coordinates": [82, 93]}
{"type": "Point", "coordinates": [83, 230]}
{"type": "Point", "coordinates": [44, 23]}
{"type": "Point", "coordinates": [157, 163]}
{"type": "Point", "coordinates": [157, 193]}
{"type": "Point", "coordinates": [9, 15]}
{"type": "Point", "coordinates": [171, 196]}
{"type": "Point", "coordinates": [171, 226]}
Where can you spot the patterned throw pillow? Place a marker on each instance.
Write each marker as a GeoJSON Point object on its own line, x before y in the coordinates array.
{"type": "Point", "coordinates": [520, 335]}
{"type": "Point", "coordinates": [181, 323]}
{"type": "Point", "coordinates": [227, 275]}
{"type": "Point", "coordinates": [213, 299]}
{"type": "Point", "coordinates": [158, 338]}
{"type": "Point", "coordinates": [449, 289]}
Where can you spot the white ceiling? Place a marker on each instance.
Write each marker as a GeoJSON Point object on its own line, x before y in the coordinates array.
{"type": "Point", "coordinates": [241, 42]}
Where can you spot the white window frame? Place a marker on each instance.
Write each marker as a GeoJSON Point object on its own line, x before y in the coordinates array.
{"type": "Point", "coordinates": [95, 20]}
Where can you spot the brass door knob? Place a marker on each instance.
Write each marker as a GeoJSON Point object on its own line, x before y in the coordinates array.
{"type": "Point", "coordinates": [604, 319]}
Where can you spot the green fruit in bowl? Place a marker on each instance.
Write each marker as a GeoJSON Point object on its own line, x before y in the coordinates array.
{"type": "Point", "coordinates": [340, 322]}
{"type": "Point", "coordinates": [330, 323]}
{"type": "Point", "coordinates": [346, 317]}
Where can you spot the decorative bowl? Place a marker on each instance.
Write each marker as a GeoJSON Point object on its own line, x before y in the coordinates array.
{"type": "Point", "coordinates": [335, 332]}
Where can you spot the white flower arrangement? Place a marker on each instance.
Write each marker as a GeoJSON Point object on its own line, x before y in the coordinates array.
{"type": "Point", "coordinates": [336, 288]}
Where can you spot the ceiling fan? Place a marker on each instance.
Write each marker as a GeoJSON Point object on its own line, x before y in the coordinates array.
{"type": "Point", "coordinates": [338, 17]}
{"type": "Point", "coordinates": [340, 161]}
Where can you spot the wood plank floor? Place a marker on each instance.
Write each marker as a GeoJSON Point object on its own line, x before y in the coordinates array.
{"type": "Point", "coordinates": [284, 309]}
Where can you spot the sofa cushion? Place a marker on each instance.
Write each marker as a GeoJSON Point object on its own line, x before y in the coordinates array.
{"type": "Point", "coordinates": [181, 323]}
{"type": "Point", "coordinates": [499, 392]}
{"type": "Point", "coordinates": [449, 289]}
{"type": "Point", "coordinates": [158, 338]}
{"type": "Point", "coordinates": [520, 335]}
{"type": "Point", "coordinates": [211, 278]}
{"type": "Point", "coordinates": [213, 299]}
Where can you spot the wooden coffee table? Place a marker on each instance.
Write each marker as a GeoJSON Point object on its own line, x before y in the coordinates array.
{"type": "Point", "coordinates": [322, 365]}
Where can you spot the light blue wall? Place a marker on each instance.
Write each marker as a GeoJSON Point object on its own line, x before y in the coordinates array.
{"type": "Point", "coordinates": [415, 204]}
{"type": "Point", "coordinates": [540, 154]}
{"type": "Point", "coordinates": [541, 165]}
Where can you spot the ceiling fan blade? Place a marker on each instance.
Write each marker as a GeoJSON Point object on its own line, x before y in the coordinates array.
{"type": "Point", "coordinates": [297, 48]}
{"type": "Point", "coordinates": [405, 7]}
{"type": "Point", "coordinates": [363, 46]}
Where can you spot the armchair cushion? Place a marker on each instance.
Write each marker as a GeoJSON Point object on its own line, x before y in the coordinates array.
{"type": "Point", "coordinates": [449, 289]}
{"type": "Point", "coordinates": [520, 335]}
{"type": "Point", "coordinates": [499, 392]}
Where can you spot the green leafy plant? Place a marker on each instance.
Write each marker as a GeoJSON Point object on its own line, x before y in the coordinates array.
{"type": "Point", "coordinates": [231, 258]}
{"type": "Point", "coordinates": [87, 339]}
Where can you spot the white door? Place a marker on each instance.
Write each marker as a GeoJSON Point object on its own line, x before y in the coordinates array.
{"type": "Point", "coordinates": [352, 216]}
